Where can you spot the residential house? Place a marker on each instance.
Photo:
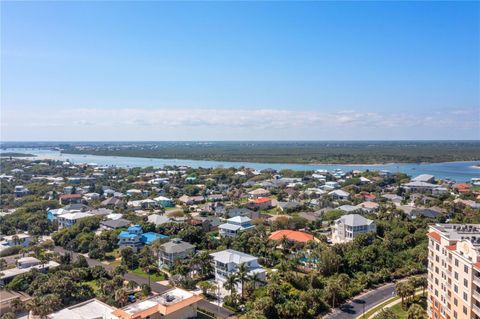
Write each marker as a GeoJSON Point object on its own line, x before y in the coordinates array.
{"type": "Point", "coordinates": [175, 303]}
{"type": "Point", "coordinates": [236, 211]}
{"type": "Point", "coordinates": [424, 178]}
{"type": "Point", "coordinates": [24, 265]}
{"type": "Point", "coordinates": [226, 263]}
{"type": "Point", "coordinates": [20, 191]}
{"type": "Point", "coordinates": [15, 240]}
{"type": "Point", "coordinates": [339, 194]}
{"type": "Point", "coordinates": [66, 199]}
{"type": "Point", "coordinates": [289, 206]}
{"type": "Point", "coordinates": [158, 219]}
{"type": "Point", "coordinates": [115, 223]}
{"type": "Point", "coordinates": [135, 238]}
{"type": "Point", "coordinates": [261, 203]}
{"type": "Point", "coordinates": [165, 201]}
{"type": "Point", "coordinates": [113, 202]}
{"type": "Point", "coordinates": [235, 225]}
{"type": "Point", "coordinates": [174, 250]}
{"type": "Point", "coordinates": [89, 309]}
{"type": "Point", "coordinates": [259, 192]}
{"type": "Point", "coordinates": [190, 200]}
{"type": "Point", "coordinates": [347, 227]}
{"type": "Point", "coordinates": [368, 206]}
{"type": "Point", "coordinates": [70, 219]}
{"type": "Point", "coordinates": [291, 235]}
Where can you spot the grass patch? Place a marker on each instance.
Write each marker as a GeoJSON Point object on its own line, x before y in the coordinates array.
{"type": "Point", "coordinates": [402, 314]}
{"type": "Point", "coordinates": [153, 277]}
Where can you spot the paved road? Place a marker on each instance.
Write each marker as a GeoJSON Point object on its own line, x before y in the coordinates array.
{"type": "Point", "coordinates": [156, 287]}
{"type": "Point", "coordinates": [355, 307]}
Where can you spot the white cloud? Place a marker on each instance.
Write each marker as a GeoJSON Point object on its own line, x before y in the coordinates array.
{"type": "Point", "coordinates": [153, 124]}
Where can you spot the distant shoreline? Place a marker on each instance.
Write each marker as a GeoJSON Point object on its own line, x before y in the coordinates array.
{"type": "Point", "coordinates": [15, 154]}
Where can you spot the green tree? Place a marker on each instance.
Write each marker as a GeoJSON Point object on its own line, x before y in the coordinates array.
{"type": "Point", "coordinates": [386, 314]}
{"type": "Point", "coordinates": [129, 258]}
{"type": "Point", "coordinates": [231, 283]}
{"type": "Point", "coordinates": [416, 312]}
{"type": "Point", "coordinates": [242, 275]}
{"type": "Point", "coordinates": [44, 305]}
{"type": "Point", "coordinates": [121, 297]}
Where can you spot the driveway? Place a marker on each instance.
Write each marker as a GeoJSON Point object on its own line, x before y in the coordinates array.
{"type": "Point", "coordinates": [364, 302]}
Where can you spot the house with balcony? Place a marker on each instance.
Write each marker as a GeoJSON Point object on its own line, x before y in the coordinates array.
{"type": "Point", "coordinates": [70, 219]}
{"type": "Point", "coordinates": [226, 263]}
{"type": "Point", "coordinates": [165, 201]}
{"type": "Point", "coordinates": [135, 238]}
{"type": "Point", "coordinates": [174, 250]}
{"type": "Point", "coordinates": [347, 227]}
{"type": "Point", "coordinates": [234, 226]}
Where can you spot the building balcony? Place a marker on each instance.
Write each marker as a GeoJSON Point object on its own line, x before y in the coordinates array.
{"type": "Point", "coordinates": [476, 281]}
{"type": "Point", "coordinates": [476, 294]}
{"type": "Point", "coordinates": [476, 309]}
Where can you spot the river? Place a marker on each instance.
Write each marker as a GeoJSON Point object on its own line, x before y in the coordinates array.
{"type": "Point", "coordinates": [458, 171]}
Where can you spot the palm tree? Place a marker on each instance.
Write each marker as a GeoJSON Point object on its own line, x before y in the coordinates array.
{"type": "Point", "coordinates": [44, 305]}
{"type": "Point", "coordinates": [255, 279]}
{"type": "Point", "coordinates": [16, 305]}
{"type": "Point", "coordinates": [422, 282]}
{"type": "Point", "coordinates": [242, 275]}
{"type": "Point", "coordinates": [404, 290]}
{"type": "Point", "coordinates": [416, 312]}
{"type": "Point", "coordinates": [121, 297]}
{"type": "Point", "coordinates": [335, 286]}
{"type": "Point", "coordinates": [231, 283]}
{"type": "Point", "coordinates": [3, 264]}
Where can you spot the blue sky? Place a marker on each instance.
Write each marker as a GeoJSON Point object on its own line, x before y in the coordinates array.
{"type": "Point", "coordinates": [249, 70]}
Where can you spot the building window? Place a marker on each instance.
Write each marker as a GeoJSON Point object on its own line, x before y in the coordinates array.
{"type": "Point", "coordinates": [455, 288]}
{"type": "Point", "coordinates": [465, 283]}
{"type": "Point", "coordinates": [456, 262]}
{"type": "Point", "coordinates": [465, 296]}
{"type": "Point", "coordinates": [465, 311]}
{"type": "Point", "coordinates": [456, 275]}
{"type": "Point", "coordinates": [465, 269]}
{"type": "Point", "coordinates": [455, 301]}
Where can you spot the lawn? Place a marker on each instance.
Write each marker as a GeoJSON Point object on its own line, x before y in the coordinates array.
{"type": "Point", "coordinates": [153, 277]}
{"type": "Point", "coordinates": [402, 314]}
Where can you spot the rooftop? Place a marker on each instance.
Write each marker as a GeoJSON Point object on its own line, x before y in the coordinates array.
{"type": "Point", "coordinates": [85, 310]}
{"type": "Point", "coordinates": [232, 256]}
{"type": "Point", "coordinates": [164, 304]}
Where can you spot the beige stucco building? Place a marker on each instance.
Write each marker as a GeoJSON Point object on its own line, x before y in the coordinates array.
{"type": "Point", "coordinates": [454, 271]}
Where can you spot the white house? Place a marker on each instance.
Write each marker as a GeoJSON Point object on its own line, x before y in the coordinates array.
{"type": "Point", "coordinates": [235, 225]}
{"type": "Point", "coordinates": [226, 262]}
{"type": "Point", "coordinates": [347, 227]}
{"type": "Point", "coordinates": [16, 240]}
{"type": "Point", "coordinates": [339, 194]}
{"type": "Point", "coordinates": [70, 219]}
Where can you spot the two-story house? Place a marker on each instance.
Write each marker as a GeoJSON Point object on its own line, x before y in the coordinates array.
{"type": "Point", "coordinates": [226, 263]}
{"type": "Point", "coordinates": [235, 225]}
{"type": "Point", "coordinates": [174, 250]}
{"type": "Point", "coordinates": [135, 238]}
{"type": "Point", "coordinates": [347, 227]}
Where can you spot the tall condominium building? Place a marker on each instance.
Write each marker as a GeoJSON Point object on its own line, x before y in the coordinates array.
{"type": "Point", "coordinates": [454, 271]}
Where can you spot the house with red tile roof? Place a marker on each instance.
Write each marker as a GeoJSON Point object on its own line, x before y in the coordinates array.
{"type": "Point", "coordinates": [292, 235]}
